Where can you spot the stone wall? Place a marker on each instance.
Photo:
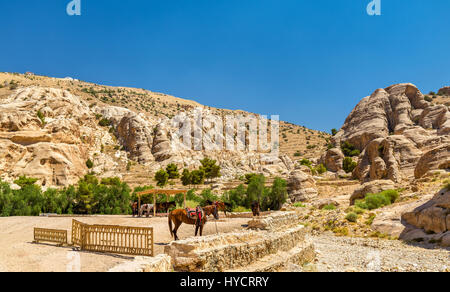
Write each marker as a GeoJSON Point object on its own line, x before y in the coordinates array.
{"type": "Point", "coordinates": [245, 250]}
{"type": "Point", "coordinates": [160, 263]}
{"type": "Point", "coordinates": [274, 221]}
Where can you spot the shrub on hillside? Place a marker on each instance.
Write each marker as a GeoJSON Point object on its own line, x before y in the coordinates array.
{"type": "Point", "coordinates": [349, 150]}
{"type": "Point", "coordinates": [375, 201]}
{"type": "Point", "coordinates": [351, 217]}
{"type": "Point", "coordinates": [349, 165]}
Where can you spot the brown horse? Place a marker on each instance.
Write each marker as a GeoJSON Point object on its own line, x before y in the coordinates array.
{"type": "Point", "coordinates": [223, 206]}
{"type": "Point", "coordinates": [212, 210]}
{"type": "Point", "coordinates": [255, 208]}
{"type": "Point", "coordinates": [134, 207]}
{"type": "Point", "coordinates": [180, 216]}
{"type": "Point", "coordinates": [165, 206]}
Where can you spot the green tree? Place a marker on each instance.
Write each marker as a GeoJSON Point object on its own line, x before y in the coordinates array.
{"type": "Point", "coordinates": [334, 132]}
{"type": "Point", "coordinates": [172, 170]}
{"type": "Point", "coordinates": [162, 178]}
{"type": "Point", "coordinates": [198, 177]}
{"type": "Point", "coordinates": [255, 189]}
{"type": "Point", "coordinates": [23, 181]}
{"type": "Point", "coordinates": [211, 169]}
{"type": "Point", "coordinates": [278, 194]}
{"type": "Point", "coordinates": [186, 177]}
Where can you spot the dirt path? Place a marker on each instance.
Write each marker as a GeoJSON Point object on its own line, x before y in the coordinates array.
{"type": "Point", "coordinates": [18, 253]}
{"type": "Point", "coordinates": [344, 254]}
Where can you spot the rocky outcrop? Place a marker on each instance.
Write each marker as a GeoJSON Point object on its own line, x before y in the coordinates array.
{"type": "Point", "coordinates": [136, 135]}
{"type": "Point", "coordinates": [333, 159]}
{"type": "Point", "coordinates": [437, 158]}
{"type": "Point", "coordinates": [394, 129]}
{"type": "Point", "coordinates": [434, 216]}
{"type": "Point", "coordinates": [301, 186]}
{"type": "Point", "coordinates": [50, 134]}
{"type": "Point", "coordinates": [372, 187]}
{"type": "Point", "coordinates": [44, 134]}
{"type": "Point", "coordinates": [444, 91]}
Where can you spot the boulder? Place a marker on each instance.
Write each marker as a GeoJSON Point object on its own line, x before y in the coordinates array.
{"type": "Point", "coordinates": [333, 159]}
{"type": "Point", "coordinates": [301, 186]}
{"type": "Point", "coordinates": [437, 158]}
{"type": "Point", "coordinates": [431, 216]}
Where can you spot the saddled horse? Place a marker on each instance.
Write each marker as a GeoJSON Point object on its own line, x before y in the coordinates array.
{"type": "Point", "coordinates": [147, 209]}
{"type": "Point", "coordinates": [222, 206]}
{"type": "Point", "coordinates": [255, 208]}
{"type": "Point", "coordinates": [195, 217]}
{"type": "Point", "coordinates": [135, 208]}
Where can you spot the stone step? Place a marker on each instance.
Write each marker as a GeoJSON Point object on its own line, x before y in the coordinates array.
{"type": "Point", "coordinates": [301, 254]}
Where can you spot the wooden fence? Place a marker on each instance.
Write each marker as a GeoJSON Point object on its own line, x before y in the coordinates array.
{"type": "Point", "coordinates": [113, 239]}
{"type": "Point", "coordinates": [50, 235]}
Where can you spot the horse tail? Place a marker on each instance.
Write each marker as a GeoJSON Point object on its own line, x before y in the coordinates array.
{"type": "Point", "coordinates": [170, 223]}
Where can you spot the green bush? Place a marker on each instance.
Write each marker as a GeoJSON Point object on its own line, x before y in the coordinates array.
{"type": "Point", "coordinates": [104, 122]}
{"type": "Point", "coordinates": [351, 217]}
{"type": "Point", "coordinates": [89, 164]}
{"type": "Point", "coordinates": [306, 162]}
{"type": "Point", "coordinates": [334, 132]}
{"type": "Point", "coordinates": [329, 207]}
{"type": "Point", "coordinates": [41, 117]}
{"type": "Point", "coordinates": [299, 205]}
{"type": "Point", "coordinates": [349, 165]}
{"type": "Point", "coordinates": [321, 169]}
{"type": "Point", "coordinates": [428, 98]}
{"type": "Point", "coordinates": [375, 201]}
{"type": "Point", "coordinates": [241, 209]}
{"type": "Point", "coordinates": [349, 150]}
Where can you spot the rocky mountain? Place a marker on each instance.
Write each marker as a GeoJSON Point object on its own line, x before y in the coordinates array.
{"type": "Point", "coordinates": [50, 128]}
{"type": "Point", "coordinates": [399, 134]}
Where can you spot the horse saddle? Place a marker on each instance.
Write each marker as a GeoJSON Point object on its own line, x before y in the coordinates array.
{"type": "Point", "coordinates": [195, 214]}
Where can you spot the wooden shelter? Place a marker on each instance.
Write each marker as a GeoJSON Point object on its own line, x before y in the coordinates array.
{"type": "Point", "coordinates": [155, 192]}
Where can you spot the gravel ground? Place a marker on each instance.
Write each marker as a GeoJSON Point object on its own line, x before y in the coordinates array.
{"type": "Point", "coordinates": [346, 254]}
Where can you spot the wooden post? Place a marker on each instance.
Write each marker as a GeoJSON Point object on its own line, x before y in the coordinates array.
{"type": "Point", "coordinates": [139, 204]}
{"type": "Point", "coordinates": [154, 205]}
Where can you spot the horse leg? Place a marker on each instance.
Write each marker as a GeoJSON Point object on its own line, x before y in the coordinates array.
{"type": "Point", "coordinates": [196, 229]}
{"type": "Point", "coordinates": [177, 225]}
{"type": "Point", "coordinates": [201, 228]}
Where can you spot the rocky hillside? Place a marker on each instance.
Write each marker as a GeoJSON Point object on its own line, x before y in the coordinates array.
{"type": "Point", "coordinates": [398, 135]}
{"type": "Point", "coordinates": [50, 128]}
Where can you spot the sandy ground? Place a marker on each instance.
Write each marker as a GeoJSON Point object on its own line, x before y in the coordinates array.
{"type": "Point", "coordinates": [18, 253]}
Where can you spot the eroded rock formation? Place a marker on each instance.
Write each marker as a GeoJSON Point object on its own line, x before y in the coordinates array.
{"type": "Point", "coordinates": [399, 134]}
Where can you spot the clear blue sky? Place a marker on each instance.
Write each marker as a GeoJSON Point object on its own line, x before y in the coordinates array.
{"type": "Point", "coordinates": [310, 61]}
